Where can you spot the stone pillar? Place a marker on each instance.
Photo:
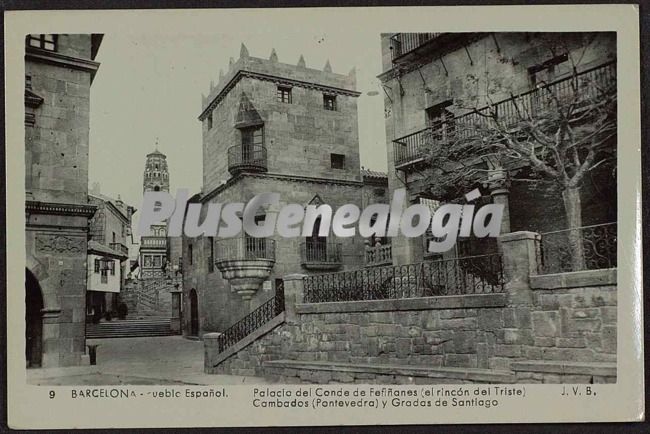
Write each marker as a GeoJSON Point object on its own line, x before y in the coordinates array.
{"type": "Point", "coordinates": [211, 351]}
{"type": "Point", "coordinates": [175, 322]}
{"type": "Point", "coordinates": [294, 293]}
{"type": "Point", "coordinates": [499, 186]}
{"type": "Point", "coordinates": [520, 252]}
{"type": "Point", "coordinates": [51, 338]}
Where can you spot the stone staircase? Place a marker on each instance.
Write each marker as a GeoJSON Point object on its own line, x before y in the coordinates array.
{"type": "Point", "coordinates": [129, 328]}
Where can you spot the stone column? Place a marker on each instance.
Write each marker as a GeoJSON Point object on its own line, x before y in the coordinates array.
{"type": "Point", "coordinates": [499, 186]}
{"type": "Point", "coordinates": [211, 351]}
{"type": "Point", "coordinates": [175, 322]}
{"type": "Point", "coordinates": [51, 338]}
{"type": "Point", "coordinates": [294, 293]}
{"type": "Point", "coordinates": [520, 252]}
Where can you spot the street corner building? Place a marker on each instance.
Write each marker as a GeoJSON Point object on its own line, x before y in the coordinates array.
{"type": "Point", "coordinates": [59, 71]}
{"type": "Point", "coordinates": [527, 119]}
{"type": "Point", "coordinates": [286, 128]}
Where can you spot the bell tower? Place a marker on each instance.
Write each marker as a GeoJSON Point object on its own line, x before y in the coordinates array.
{"type": "Point", "coordinates": [156, 175]}
{"type": "Point", "coordinates": [154, 253]}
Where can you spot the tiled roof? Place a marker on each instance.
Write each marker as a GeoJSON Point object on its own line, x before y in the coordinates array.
{"type": "Point", "coordinates": [94, 246]}
{"type": "Point", "coordinates": [366, 173]}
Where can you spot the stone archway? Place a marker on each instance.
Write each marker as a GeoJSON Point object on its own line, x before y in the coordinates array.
{"type": "Point", "coordinates": [194, 313]}
{"type": "Point", "coordinates": [33, 321]}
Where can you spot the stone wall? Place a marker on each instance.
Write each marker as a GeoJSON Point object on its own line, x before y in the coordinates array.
{"type": "Point", "coordinates": [546, 321]}
{"type": "Point", "coordinates": [218, 306]}
{"type": "Point", "coordinates": [466, 74]}
{"type": "Point", "coordinates": [57, 101]}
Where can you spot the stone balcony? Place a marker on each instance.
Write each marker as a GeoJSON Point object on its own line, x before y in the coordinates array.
{"type": "Point", "coordinates": [245, 263]}
{"type": "Point", "coordinates": [378, 255]}
{"type": "Point", "coordinates": [154, 242]}
{"type": "Point", "coordinates": [249, 158]}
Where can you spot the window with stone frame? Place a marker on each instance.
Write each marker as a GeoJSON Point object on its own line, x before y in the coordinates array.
{"type": "Point", "coordinates": [441, 121]}
{"type": "Point", "coordinates": [210, 121]}
{"type": "Point", "coordinates": [329, 102]}
{"type": "Point", "coordinates": [251, 139]}
{"type": "Point", "coordinates": [190, 254]}
{"type": "Point", "coordinates": [549, 71]}
{"type": "Point", "coordinates": [210, 241]}
{"type": "Point", "coordinates": [284, 94]}
{"type": "Point", "coordinates": [43, 41]}
{"type": "Point", "coordinates": [337, 161]}
{"type": "Point", "coordinates": [97, 265]}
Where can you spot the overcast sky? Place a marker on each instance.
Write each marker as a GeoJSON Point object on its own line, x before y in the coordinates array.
{"type": "Point", "coordinates": [149, 86]}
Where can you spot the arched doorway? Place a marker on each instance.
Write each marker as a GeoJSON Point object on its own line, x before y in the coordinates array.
{"type": "Point", "coordinates": [194, 313]}
{"type": "Point", "coordinates": [33, 321]}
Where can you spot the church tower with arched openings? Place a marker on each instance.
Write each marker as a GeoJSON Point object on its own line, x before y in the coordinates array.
{"type": "Point", "coordinates": [156, 174]}
{"type": "Point", "coordinates": [154, 253]}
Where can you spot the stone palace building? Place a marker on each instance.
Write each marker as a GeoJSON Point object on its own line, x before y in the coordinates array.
{"type": "Point", "coordinates": [270, 126]}
{"type": "Point", "coordinates": [59, 71]}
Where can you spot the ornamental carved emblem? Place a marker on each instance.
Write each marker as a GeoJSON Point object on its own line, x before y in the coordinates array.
{"type": "Point", "coordinates": [59, 244]}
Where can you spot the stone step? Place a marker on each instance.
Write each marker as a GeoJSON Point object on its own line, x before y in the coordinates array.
{"type": "Point", "coordinates": [130, 328]}
{"type": "Point", "coordinates": [324, 372]}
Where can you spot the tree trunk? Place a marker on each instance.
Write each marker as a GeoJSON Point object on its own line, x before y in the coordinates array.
{"type": "Point", "coordinates": [573, 209]}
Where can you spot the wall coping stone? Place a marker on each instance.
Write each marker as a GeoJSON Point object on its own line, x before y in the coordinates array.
{"type": "Point", "coordinates": [574, 279]}
{"type": "Point", "coordinates": [473, 374]}
{"type": "Point", "coordinates": [562, 367]}
{"type": "Point", "coordinates": [295, 276]}
{"type": "Point", "coordinates": [234, 349]}
{"type": "Point", "coordinates": [519, 235]}
{"type": "Point", "coordinates": [468, 301]}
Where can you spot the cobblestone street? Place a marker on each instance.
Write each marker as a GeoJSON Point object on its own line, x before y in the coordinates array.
{"type": "Point", "coordinates": [141, 361]}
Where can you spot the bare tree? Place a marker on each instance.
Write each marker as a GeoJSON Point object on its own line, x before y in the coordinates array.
{"type": "Point", "coordinates": [560, 131]}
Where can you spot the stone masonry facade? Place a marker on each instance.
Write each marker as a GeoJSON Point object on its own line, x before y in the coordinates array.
{"type": "Point", "coordinates": [526, 334]}
{"type": "Point", "coordinates": [459, 72]}
{"type": "Point", "coordinates": [301, 138]}
{"type": "Point", "coordinates": [57, 98]}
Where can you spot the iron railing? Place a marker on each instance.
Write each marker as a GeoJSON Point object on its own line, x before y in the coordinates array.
{"type": "Point", "coordinates": [586, 86]}
{"type": "Point", "coordinates": [403, 43]}
{"type": "Point", "coordinates": [254, 320]}
{"type": "Point", "coordinates": [154, 241]}
{"type": "Point", "coordinates": [378, 255]}
{"type": "Point", "coordinates": [244, 248]}
{"type": "Point", "coordinates": [458, 276]}
{"type": "Point", "coordinates": [246, 157]}
{"type": "Point", "coordinates": [320, 252]}
{"type": "Point", "coordinates": [583, 248]}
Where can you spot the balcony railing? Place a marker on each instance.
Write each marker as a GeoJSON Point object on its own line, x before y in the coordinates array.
{"type": "Point", "coordinates": [584, 248]}
{"type": "Point", "coordinates": [119, 247]}
{"type": "Point", "coordinates": [414, 148]}
{"type": "Point", "coordinates": [246, 158]}
{"type": "Point", "coordinates": [404, 43]}
{"type": "Point", "coordinates": [320, 255]}
{"type": "Point", "coordinates": [379, 255]}
{"type": "Point", "coordinates": [154, 242]}
{"type": "Point", "coordinates": [244, 248]}
{"type": "Point", "coordinates": [469, 275]}
{"type": "Point", "coordinates": [254, 320]}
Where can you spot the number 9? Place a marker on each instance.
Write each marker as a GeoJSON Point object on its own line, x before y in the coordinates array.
{"type": "Point", "coordinates": [52, 394]}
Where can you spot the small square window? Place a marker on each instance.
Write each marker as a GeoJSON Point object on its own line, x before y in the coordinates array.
{"type": "Point", "coordinates": [329, 102]}
{"type": "Point", "coordinates": [338, 161]}
{"type": "Point", "coordinates": [46, 42]}
{"type": "Point", "coordinates": [284, 94]}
